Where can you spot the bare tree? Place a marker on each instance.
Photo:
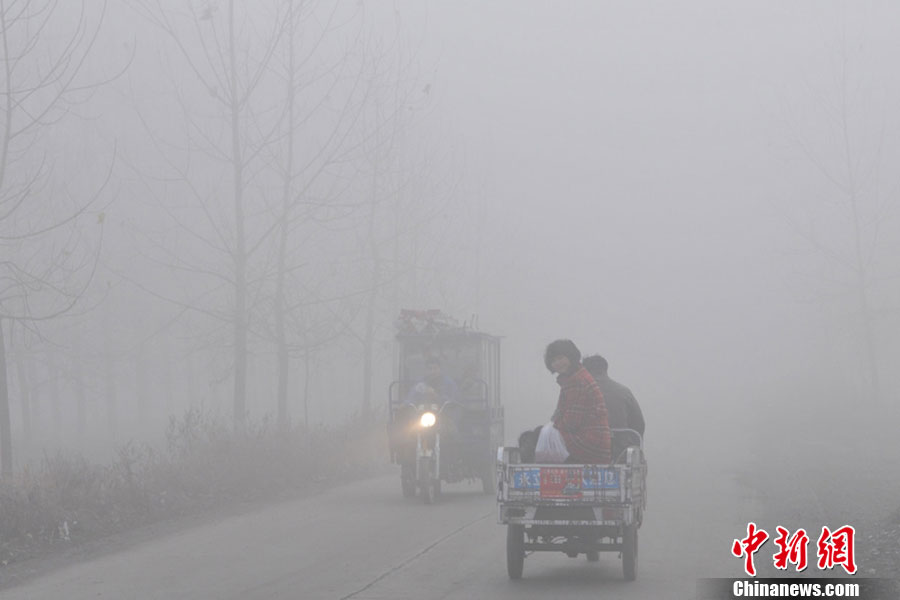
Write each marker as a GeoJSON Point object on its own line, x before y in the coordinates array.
{"type": "Point", "coordinates": [230, 66]}
{"type": "Point", "coordinates": [399, 96]}
{"type": "Point", "coordinates": [327, 96]}
{"type": "Point", "coordinates": [845, 222]}
{"type": "Point", "coordinates": [49, 256]}
{"type": "Point", "coordinates": [314, 111]}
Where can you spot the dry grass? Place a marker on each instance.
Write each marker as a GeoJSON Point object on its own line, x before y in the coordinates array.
{"type": "Point", "coordinates": [205, 464]}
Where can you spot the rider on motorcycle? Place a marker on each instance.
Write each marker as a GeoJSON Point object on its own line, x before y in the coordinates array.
{"type": "Point", "coordinates": [435, 381]}
{"type": "Point", "coordinates": [438, 388]}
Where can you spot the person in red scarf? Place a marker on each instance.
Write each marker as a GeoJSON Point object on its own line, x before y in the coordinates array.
{"type": "Point", "coordinates": [581, 412]}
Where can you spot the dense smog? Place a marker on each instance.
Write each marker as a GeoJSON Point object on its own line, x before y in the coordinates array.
{"type": "Point", "coordinates": [430, 299]}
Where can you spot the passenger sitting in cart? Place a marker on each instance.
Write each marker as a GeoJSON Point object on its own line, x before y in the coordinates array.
{"type": "Point", "coordinates": [622, 408]}
{"type": "Point", "coordinates": [580, 414]}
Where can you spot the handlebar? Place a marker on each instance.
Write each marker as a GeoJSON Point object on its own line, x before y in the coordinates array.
{"type": "Point", "coordinates": [447, 403]}
{"type": "Point", "coordinates": [638, 435]}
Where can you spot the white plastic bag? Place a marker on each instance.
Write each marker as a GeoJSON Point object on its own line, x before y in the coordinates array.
{"type": "Point", "coordinates": [551, 447]}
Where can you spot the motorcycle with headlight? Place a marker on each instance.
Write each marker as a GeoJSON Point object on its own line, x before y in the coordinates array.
{"type": "Point", "coordinates": [428, 452]}
{"type": "Point", "coordinates": [439, 433]}
{"type": "Point", "coordinates": [433, 420]}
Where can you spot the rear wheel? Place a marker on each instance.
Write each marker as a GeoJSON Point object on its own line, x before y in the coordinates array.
{"type": "Point", "coordinates": [489, 474]}
{"type": "Point", "coordinates": [515, 550]}
{"type": "Point", "coordinates": [629, 553]}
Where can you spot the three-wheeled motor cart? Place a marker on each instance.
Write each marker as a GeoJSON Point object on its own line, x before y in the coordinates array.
{"type": "Point", "coordinates": [435, 438]}
{"type": "Point", "coordinates": [573, 508]}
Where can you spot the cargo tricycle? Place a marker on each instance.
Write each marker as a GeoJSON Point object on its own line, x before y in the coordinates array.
{"type": "Point", "coordinates": [573, 508]}
{"type": "Point", "coordinates": [444, 433]}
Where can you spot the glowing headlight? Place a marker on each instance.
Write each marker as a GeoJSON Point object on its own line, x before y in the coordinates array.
{"type": "Point", "coordinates": [428, 419]}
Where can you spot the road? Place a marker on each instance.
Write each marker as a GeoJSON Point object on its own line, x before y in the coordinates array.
{"type": "Point", "coordinates": [362, 540]}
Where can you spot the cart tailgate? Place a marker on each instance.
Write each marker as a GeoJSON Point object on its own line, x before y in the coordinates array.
{"type": "Point", "coordinates": [531, 483]}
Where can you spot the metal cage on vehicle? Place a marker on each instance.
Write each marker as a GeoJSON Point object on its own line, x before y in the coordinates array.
{"type": "Point", "coordinates": [472, 359]}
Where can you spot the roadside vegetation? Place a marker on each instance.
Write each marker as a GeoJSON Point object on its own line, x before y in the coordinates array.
{"type": "Point", "coordinates": [205, 464]}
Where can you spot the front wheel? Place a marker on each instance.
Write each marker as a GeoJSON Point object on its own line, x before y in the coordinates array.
{"type": "Point", "coordinates": [489, 474]}
{"type": "Point", "coordinates": [408, 480]}
{"type": "Point", "coordinates": [429, 493]}
{"type": "Point", "coordinates": [629, 553]}
{"type": "Point", "coordinates": [488, 483]}
{"type": "Point", "coordinates": [426, 481]}
{"type": "Point", "coordinates": [515, 550]}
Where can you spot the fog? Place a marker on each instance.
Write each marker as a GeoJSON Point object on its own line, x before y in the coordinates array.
{"type": "Point", "coordinates": [655, 172]}
{"type": "Point", "coordinates": [704, 192]}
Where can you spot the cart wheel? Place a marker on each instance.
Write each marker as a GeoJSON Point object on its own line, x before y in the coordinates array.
{"type": "Point", "coordinates": [426, 482]}
{"type": "Point", "coordinates": [515, 550]}
{"type": "Point", "coordinates": [593, 556]}
{"type": "Point", "coordinates": [429, 492]}
{"type": "Point", "coordinates": [407, 480]}
{"type": "Point", "coordinates": [629, 553]}
{"type": "Point", "coordinates": [489, 477]}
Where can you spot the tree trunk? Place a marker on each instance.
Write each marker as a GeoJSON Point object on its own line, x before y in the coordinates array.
{"type": "Point", "coordinates": [6, 457]}
{"type": "Point", "coordinates": [53, 378]}
{"type": "Point", "coordinates": [141, 382]}
{"type": "Point", "coordinates": [369, 337]}
{"type": "Point", "coordinates": [240, 251]}
{"type": "Point", "coordinates": [869, 339]}
{"type": "Point", "coordinates": [862, 280]}
{"type": "Point", "coordinates": [306, 370]}
{"type": "Point", "coordinates": [368, 351]}
{"type": "Point", "coordinates": [284, 418]}
{"type": "Point", "coordinates": [168, 387]}
{"type": "Point", "coordinates": [24, 400]}
{"type": "Point", "coordinates": [112, 401]}
{"type": "Point", "coordinates": [81, 399]}
{"type": "Point", "coordinates": [193, 388]}
{"type": "Point", "coordinates": [35, 398]}
{"type": "Point", "coordinates": [284, 421]}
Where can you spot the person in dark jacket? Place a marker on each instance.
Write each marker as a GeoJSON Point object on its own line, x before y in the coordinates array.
{"type": "Point", "coordinates": [580, 412]}
{"type": "Point", "coordinates": [439, 388]}
{"type": "Point", "coordinates": [436, 386]}
{"type": "Point", "coordinates": [622, 408]}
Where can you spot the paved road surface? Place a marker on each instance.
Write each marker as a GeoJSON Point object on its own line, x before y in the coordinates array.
{"type": "Point", "coordinates": [364, 541]}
